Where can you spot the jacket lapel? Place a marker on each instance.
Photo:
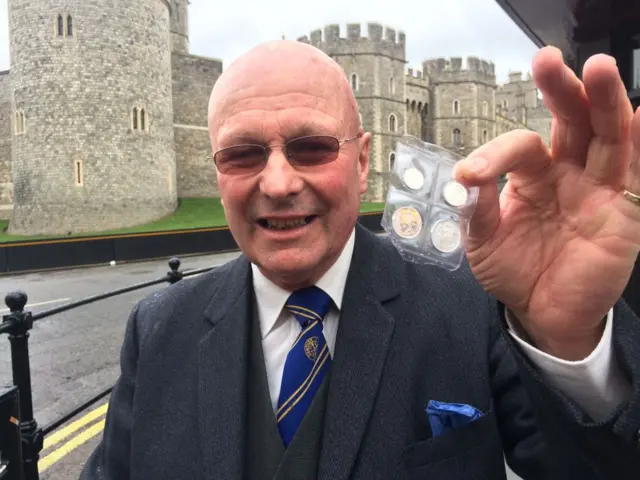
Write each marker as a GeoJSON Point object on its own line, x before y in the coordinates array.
{"type": "Point", "coordinates": [364, 334]}
{"type": "Point", "coordinates": [223, 355]}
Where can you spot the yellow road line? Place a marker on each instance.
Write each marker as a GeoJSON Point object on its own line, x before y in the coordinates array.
{"type": "Point", "coordinates": [71, 445]}
{"type": "Point", "coordinates": [57, 437]}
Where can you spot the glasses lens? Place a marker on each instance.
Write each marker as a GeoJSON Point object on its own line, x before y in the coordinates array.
{"type": "Point", "coordinates": [240, 159]}
{"type": "Point", "coordinates": [316, 150]}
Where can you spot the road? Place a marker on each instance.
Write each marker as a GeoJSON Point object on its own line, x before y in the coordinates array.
{"type": "Point", "coordinates": [74, 355]}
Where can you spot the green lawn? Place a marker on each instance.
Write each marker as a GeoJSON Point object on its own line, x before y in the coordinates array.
{"type": "Point", "coordinates": [192, 213]}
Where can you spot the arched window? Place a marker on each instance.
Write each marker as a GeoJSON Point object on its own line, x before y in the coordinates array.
{"type": "Point", "coordinates": [392, 123]}
{"type": "Point", "coordinates": [413, 106]}
{"type": "Point", "coordinates": [69, 26]}
{"type": "Point", "coordinates": [392, 160]}
{"type": "Point", "coordinates": [505, 103]}
{"type": "Point", "coordinates": [485, 136]}
{"type": "Point", "coordinates": [392, 86]}
{"type": "Point", "coordinates": [485, 108]}
{"type": "Point", "coordinates": [60, 26]}
{"type": "Point", "coordinates": [456, 107]}
{"type": "Point", "coordinates": [78, 173]}
{"type": "Point", "coordinates": [19, 122]}
{"type": "Point", "coordinates": [457, 139]}
{"type": "Point", "coordinates": [135, 118]}
{"type": "Point", "coordinates": [355, 83]}
{"type": "Point", "coordinates": [142, 120]}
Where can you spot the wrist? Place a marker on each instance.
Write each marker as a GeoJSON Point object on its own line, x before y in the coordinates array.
{"type": "Point", "coordinates": [572, 346]}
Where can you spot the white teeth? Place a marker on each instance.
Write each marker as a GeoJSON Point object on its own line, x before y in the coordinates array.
{"type": "Point", "coordinates": [285, 224]}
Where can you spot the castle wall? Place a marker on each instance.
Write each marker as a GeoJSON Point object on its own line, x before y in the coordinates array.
{"type": "Point", "coordinates": [193, 80]}
{"type": "Point", "coordinates": [6, 125]}
{"type": "Point", "coordinates": [518, 93]}
{"type": "Point", "coordinates": [470, 87]}
{"type": "Point", "coordinates": [539, 119]}
{"type": "Point", "coordinates": [418, 96]}
{"type": "Point", "coordinates": [180, 26]}
{"type": "Point", "coordinates": [81, 165]}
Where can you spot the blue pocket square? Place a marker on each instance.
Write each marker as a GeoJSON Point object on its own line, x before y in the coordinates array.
{"type": "Point", "coordinates": [449, 416]}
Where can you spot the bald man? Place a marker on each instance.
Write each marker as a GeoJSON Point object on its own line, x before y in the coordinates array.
{"type": "Point", "coordinates": [321, 353]}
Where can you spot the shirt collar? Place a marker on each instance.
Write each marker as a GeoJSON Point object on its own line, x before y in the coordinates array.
{"type": "Point", "coordinates": [271, 298]}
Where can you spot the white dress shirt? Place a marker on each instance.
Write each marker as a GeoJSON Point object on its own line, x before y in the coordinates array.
{"type": "Point", "coordinates": [595, 383]}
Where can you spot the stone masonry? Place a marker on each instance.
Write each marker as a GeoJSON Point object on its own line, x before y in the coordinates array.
{"type": "Point", "coordinates": [103, 115]}
{"type": "Point", "coordinates": [193, 79]}
{"type": "Point", "coordinates": [6, 132]}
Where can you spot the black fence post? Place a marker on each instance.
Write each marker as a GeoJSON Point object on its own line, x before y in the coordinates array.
{"type": "Point", "coordinates": [175, 275]}
{"type": "Point", "coordinates": [18, 323]}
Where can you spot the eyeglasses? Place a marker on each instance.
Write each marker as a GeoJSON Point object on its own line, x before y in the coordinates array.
{"type": "Point", "coordinates": [307, 151]}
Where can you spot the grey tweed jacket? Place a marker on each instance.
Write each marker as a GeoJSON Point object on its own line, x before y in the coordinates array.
{"type": "Point", "coordinates": [408, 334]}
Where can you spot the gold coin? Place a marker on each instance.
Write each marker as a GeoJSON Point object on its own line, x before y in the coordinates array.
{"type": "Point", "coordinates": [407, 222]}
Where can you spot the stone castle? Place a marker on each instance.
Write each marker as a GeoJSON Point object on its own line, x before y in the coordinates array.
{"type": "Point", "coordinates": [103, 115]}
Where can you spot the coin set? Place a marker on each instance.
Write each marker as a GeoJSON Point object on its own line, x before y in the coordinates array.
{"type": "Point", "coordinates": [426, 210]}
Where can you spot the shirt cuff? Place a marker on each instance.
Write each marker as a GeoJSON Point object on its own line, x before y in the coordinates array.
{"type": "Point", "coordinates": [596, 383]}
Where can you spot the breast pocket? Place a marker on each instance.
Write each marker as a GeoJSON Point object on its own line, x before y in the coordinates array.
{"type": "Point", "coordinates": [464, 441]}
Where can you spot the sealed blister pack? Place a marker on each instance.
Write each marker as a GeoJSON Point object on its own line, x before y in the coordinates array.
{"type": "Point", "coordinates": [426, 209]}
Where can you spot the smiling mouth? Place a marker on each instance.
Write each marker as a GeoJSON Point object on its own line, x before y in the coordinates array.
{"type": "Point", "coordinates": [288, 224]}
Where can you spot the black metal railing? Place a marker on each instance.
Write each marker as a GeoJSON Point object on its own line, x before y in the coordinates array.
{"type": "Point", "coordinates": [17, 324]}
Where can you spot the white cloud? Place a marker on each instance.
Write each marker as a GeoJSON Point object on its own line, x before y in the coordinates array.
{"type": "Point", "coordinates": [434, 28]}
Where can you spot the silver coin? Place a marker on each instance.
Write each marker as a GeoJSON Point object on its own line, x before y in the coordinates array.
{"type": "Point", "coordinates": [407, 222]}
{"type": "Point", "coordinates": [446, 236]}
{"type": "Point", "coordinates": [455, 194]}
{"type": "Point", "coordinates": [413, 178]}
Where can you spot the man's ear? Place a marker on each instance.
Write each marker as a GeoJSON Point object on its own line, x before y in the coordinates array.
{"type": "Point", "coordinates": [363, 162]}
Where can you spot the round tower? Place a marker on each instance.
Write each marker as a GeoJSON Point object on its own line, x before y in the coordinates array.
{"type": "Point", "coordinates": [374, 65]}
{"type": "Point", "coordinates": [180, 25]}
{"type": "Point", "coordinates": [93, 80]}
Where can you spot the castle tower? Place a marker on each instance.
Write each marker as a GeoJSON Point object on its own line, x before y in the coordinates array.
{"type": "Point", "coordinates": [374, 65]}
{"type": "Point", "coordinates": [180, 25]}
{"type": "Point", "coordinates": [464, 116]}
{"type": "Point", "coordinates": [92, 82]}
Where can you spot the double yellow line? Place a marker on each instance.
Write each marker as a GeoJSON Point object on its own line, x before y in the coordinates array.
{"type": "Point", "coordinates": [81, 438]}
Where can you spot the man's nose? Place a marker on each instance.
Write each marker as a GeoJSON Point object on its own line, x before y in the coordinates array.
{"type": "Point", "coordinates": [278, 178]}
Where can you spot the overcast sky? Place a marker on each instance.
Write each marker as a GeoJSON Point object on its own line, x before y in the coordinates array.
{"type": "Point", "coordinates": [434, 28]}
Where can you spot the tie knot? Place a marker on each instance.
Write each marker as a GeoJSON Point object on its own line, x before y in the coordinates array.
{"type": "Point", "coordinates": [308, 304]}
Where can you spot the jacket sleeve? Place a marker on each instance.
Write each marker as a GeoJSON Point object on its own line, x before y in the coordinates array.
{"type": "Point", "coordinates": [111, 459]}
{"type": "Point", "coordinates": [545, 433]}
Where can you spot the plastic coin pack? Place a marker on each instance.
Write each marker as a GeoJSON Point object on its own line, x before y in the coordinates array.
{"type": "Point", "coordinates": [427, 211]}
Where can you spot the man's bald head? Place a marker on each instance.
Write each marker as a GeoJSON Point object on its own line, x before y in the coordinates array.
{"type": "Point", "coordinates": [291, 207]}
{"type": "Point", "coordinates": [283, 68]}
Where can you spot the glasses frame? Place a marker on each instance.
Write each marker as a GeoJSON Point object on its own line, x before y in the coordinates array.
{"type": "Point", "coordinates": [270, 148]}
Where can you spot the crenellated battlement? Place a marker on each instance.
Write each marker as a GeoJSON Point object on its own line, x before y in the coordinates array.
{"type": "Point", "coordinates": [378, 39]}
{"type": "Point", "coordinates": [417, 77]}
{"type": "Point", "coordinates": [452, 69]}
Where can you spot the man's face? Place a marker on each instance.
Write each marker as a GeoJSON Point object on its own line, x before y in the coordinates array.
{"type": "Point", "coordinates": [291, 221]}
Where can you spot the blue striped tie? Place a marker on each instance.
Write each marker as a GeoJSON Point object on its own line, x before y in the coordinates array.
{"type": "Point", "coordinates": [307, 362]}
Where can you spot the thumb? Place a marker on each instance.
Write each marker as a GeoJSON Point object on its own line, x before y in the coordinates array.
{"type": "Point", "coordinates": [486, 215]}
{"type": "Point", "coordinates": [520, 152]}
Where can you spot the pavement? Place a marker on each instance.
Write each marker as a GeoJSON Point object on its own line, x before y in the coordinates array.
{"type": "Point", "coordinates": [74, 355]}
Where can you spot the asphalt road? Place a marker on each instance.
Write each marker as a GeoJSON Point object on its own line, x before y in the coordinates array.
{"type": "Point", "coordinates": [74, 355]}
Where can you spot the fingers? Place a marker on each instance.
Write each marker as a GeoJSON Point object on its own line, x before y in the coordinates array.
{"type": "Point", "coordinates": [611, 115]}
{"type": "Point", "coordinates": [632, 180]}
{"type": "Point", "coordinates": [565, 97]}
{"type": "Point", "coordinates": [521, 152]}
